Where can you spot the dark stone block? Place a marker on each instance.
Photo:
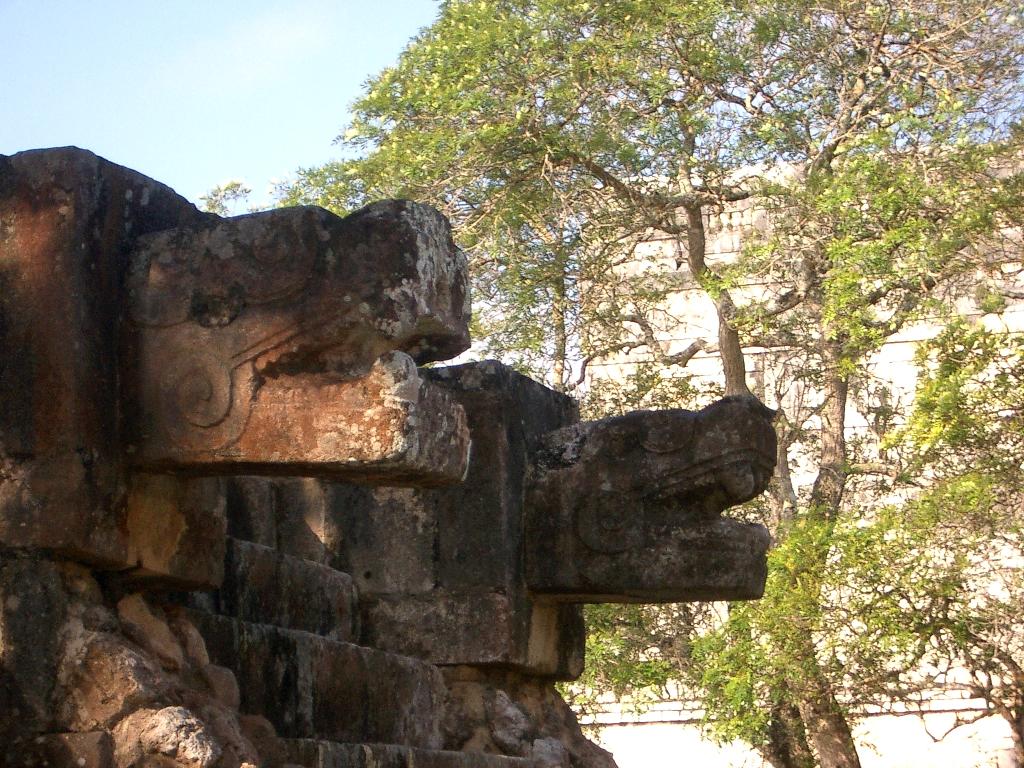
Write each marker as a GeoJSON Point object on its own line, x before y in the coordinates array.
{"type": "Point", "coordinates": [176, 531]}
{"type": "Point", "coordinates": [301, 518]}
{"type": "Point", "coordinates": [251, 510]}
{"type": "Point", "coordinates": [482, 628]}
{"type": "Point", "coordinates": [480, 521]}
{"type": "Point", "coordinates": [68, 750]}
{"type": "Point", "coordinates": [33, 608]}
{"type": "Point", "coordinates": [67, 221]}
{"type": "Point", "coordinates": [274, 672]}
{"type": "Point", "coordinates": [385, 537]}
{"type": "Point", "coordinates": [439, 571]}
{"type": "Point", "coordinates": [264, 586]}
{"type": "Point", "coordinates": [405, 702]}
{"type": "Point", "coordinates": [309, 686]}
{"type": "Point", "coordinates": [325, 754]}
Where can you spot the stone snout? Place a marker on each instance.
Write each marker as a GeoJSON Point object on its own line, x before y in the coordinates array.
{"type": "Point", "coordinates": [628, 509]}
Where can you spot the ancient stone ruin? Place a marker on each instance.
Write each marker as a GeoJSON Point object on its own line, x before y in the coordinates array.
{"type": "Point", "coordinates": [240, 525]}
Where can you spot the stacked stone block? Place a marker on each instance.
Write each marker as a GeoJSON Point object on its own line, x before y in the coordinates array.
{"type": "Point", "coordinates": [240, 526]}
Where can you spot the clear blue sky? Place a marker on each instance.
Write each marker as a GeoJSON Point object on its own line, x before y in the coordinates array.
{"type": "Point", "coordinates": [194, 93]}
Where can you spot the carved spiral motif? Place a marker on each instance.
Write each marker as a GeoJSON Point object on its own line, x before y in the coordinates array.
{"type": "Point", "coordinates": [202, 395]}
{"type": "Point", "coordinates": [208, 405]}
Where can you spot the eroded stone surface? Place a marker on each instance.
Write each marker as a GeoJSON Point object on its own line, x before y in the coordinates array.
{"type": "Point", "coordinates": [308, 753]}
{"type": "Point", "coordinates": [513, 714]}
{"type": "Point", "coordinates": [172, 732]}
{"type": "Point", "coordinates": [33, 607]}
{"type": "Point", "coordinates": [263, 585]}
{"type": "Point", "coordinates": [312, 686]}
{"type": "Point", "coordinates": [387, 426]}
{"type": "Point", "coordinates": [624, 509]}
{"type": "Point", "coordinates": [151, 631]}
{"type": "Point", "coordinates": [67, 218]}
{"type": "Point", "coordinates": [176, 528]}
{"type": "Point", "coordinates": [234, 316]}
{"type": "Point", "coordinates": [147, 348]}
{"type": "Point", "coordinates": [139, 332]}
{"type": "Point", "coordinates": [627, 509]}
{"type": "Point", "coordinates": [70, 750]}
{"type": "Point", "coordinates": [440, 571]}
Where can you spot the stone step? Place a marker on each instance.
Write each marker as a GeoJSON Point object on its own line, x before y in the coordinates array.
{"type": "Point", "coordinates": [264, 586]}
{"type": "Point", "coordinates": [287, 514]}
{"type": "Point", "coordinates": [309, 686]}
{"type": "Point", "coordinates": [327, 754]}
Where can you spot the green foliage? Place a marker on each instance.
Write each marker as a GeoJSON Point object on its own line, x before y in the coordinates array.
{"type": "Point", "coordinates": [645, 387]}
{"type": "Point", "coordinates": [970, 399]}
{"type": "Point", "coordinates": [755, 660]}
{"type": "Point", "coordinates": [223, 198]}
{"type": "Point", "coordinates": [624, 656]}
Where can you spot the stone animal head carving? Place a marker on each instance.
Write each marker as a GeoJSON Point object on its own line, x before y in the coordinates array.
{"type": "Point", "coordinates": [628, 508]}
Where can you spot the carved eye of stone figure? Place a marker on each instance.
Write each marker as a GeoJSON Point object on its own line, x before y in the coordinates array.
{"type": "Point", "coordinates": [608, 522]}
{"type": "Point", "coordinates": [669, 435]}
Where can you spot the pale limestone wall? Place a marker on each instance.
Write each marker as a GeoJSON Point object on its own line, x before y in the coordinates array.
{"type": "Point", "coordinates": [885, 742]}
{"type": "Point", "coordinates": [670, 733]}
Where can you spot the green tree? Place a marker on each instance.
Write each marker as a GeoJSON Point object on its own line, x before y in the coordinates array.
{"type": "Point", "coordinates": [560, 135]}
{"type": "Point", "coordinates": [224, 198]}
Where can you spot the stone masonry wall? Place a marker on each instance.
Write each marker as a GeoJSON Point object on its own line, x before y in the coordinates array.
{"type": "Point", "coordinates": [241, 526]}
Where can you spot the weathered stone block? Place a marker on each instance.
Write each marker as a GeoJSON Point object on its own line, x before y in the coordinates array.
{"type": "Point", "coordinates": [385, 537]}
{"type": "Point", "coordinates": [68, 750]}
{"type": "Point", "coordinates": [405, 699]}
{"type": "Point", "coordinates": [386, 426]}
{"type": "Point", "coordinates": [222, 685]}
{"type": "Point", "coordinates": [105, 677]}
{"type": "Point", "coordinates": [627, 509]}
{"type": "Point", "coordinates": [504, 711]}
{"type": "Point", "coordinates": [33, 608]}
{"type": "Point", "coordinates": [252, 510]}
{"type": "Point", "coordinates": [325, 754]}
{"type": "Point", "coordinates": [309, 686]}
{"type": "Point", "coordinates": [147, 737]}
{"type": "Point", "coordinates": [480, 521]}
{"type": "Point", "coordinates": [71, 503]}
{"type": "Point", "coordinates": [67, 219]}
{"type": "Point", "coordinates": [361, 694]}
{"type": "Point", "coordinates": [149, 629]}
{"type": "Point", "coordinates": [486, 628]}
{"type": "Point", "coordinates": [286, 514]}
{"type": "Point", "coordinates": [720, 559]}
{"type": "Point", "coordinates": [440, 570]}
{"type": "Point", "coordinates": [150, 335]}
{"type": "Point", "coordinates": [275, 676]}
{"type": "Point", "coordinates": [302, 524]}
{"type": "Point", "coordinates": [264, 586]}
{"type": "Point", "coordinates": [241, 319]}
{"type": "Point", "coordinates": [176, 528]}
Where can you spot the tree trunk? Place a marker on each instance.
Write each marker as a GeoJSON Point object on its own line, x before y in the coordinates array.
{"type": "Point", "coordinates": [729, 347]}
{"type": "Point", "coordinates": [826, 724]}
{"type": "Point", "coordinates": [823, 718]}
{"type": "Point", "coordinates": [827, 492]}
{"type": "Point", "coordinates": [787, 740]}
{"type": "Point", "coordinates": [561, 332]}
{"type": "Point", "coordinates": [1016, 722]}
{"type": "Point", "coordinates": [823, 721]}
